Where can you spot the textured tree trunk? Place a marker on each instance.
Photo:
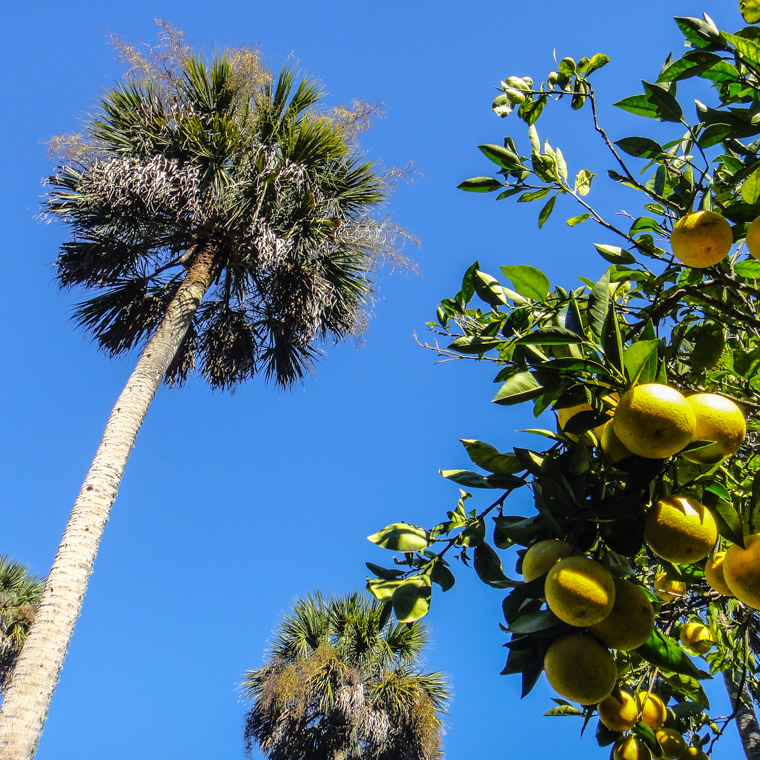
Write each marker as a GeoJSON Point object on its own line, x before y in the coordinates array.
{"type": "Point", "coordinates": [27, 699]}
{"type": "Point", "coordinates": [746, 720]}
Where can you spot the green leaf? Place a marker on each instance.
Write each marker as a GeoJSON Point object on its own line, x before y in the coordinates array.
{"type": "Point", "coordinates": [471, 479]}
{"type": "Point", "coordinates": [640, 360]}
{"type": "Point", "coordinates": [480, 185]}
{"type": "Point", "coordinates": [698, 32]}
{"type": "Point", "coordinates": [522, 386]}
{"type": "Point", "coordinates": [534, 195]}
{"type": "Point", "coordinates": [751, 188]}
{"type": "Point", "coordinates": [749, 269]}
{"type": "Point", "coordinates": [474, 344]}
{"type": "Point", "coordinates": [599, 304]}
{"type": "Point", "coordinates": [747, 47]}
{"type": "Point", "coordinates": [488, 567]}
{"type": "Point", "coordinates": [384, 572]}
{"type": "Point", "coordinates": [664, 653]}
{"type": "Point", "coordinates": [750, 10]}
{"type": "Point", "coordinates": [490, 458]}
{"type": "Point", "coordinates": [639, 105]}
{"type": "Point", "coordinates": [411, 600]}
{"type": "Point", "coordinates": [494, 294]}
{"type": "Point", "coordinates": [689, 65]}
{"type": "Point", "coordinates": [533, 622]}
{"type": "Point", "coordinates": [382, 590]}
{"type": "Point", "coordinates": [583, 182]}
{"type": "Point", "coordinates": [640, 147]}
{"type": "Point", "coordinates": [504, 157]}
{"type": "Point", "coordinates": [573, 221]}
{"type": "Point", "coordinates": [402, 537]}
{"type": "Point", "coordinates": [614, 254]}
{"type": "Point", "coordinates": [546, 211]}
{"type": "Point", "coordinates": [551, 336]}
{"type": "Point", "coordinates": [528, 281]}
{"type": "Point", "coordinates": [442, 576]}
{"type": "Point", "coordinates": [709, 340]}
{"type": "Point", "coordinates": [474, 534]}
{"type": "Point", "coordinates": [562, 710]}
{"type": "Point", "coordinates": [597, 61]}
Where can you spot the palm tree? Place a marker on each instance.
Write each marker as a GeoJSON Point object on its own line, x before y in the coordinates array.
{"type": "Point", "coordinates": [341, 682]}
{"type": "Point", "coordinates": [20, 593]}
{"type": "Point", "coordinates": [221, 222]}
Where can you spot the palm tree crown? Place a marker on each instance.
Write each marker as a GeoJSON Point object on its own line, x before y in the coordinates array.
{"type": "Point", "coordinates": [341, 682]}
{"type": "Point", "coordinates": [205, 157]}
{"type": "Point", "coordinates": [20, 593]}
{"type": "Point", "coordinates": [221, 221]}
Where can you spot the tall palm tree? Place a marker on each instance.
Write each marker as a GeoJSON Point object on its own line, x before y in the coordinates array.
{"type": "Point", "coordinates": [341, 682]}
{"type": "Point", "coordinates": [221, 222]}
{"type": "Point", "coordinates": [20, 593]}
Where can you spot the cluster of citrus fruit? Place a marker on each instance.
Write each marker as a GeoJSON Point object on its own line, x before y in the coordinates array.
{"type": "Point", "coordinates": [652, 421]}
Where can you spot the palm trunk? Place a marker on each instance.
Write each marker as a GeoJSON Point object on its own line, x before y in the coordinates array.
{"type": "Point", "coordinates": [27, 699]}
{"type": "Point", "coordinates": [746, 720]}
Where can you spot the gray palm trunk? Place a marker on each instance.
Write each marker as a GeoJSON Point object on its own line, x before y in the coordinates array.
{"type": "Point", "coordinates": [746, 719]}
{"type": "Point", "coordinates": [27, 699]}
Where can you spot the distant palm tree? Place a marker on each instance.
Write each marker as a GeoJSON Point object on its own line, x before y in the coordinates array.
{"type": "Point", "coordinates": [222, 224]}
{"type": "Point", "coordinates": [20, 593]}
{"type": "Point", "coordinates": [342, 683]}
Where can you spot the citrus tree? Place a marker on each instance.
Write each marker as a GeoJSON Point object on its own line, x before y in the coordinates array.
{"type": "Point", "coordinates": [640, 563]}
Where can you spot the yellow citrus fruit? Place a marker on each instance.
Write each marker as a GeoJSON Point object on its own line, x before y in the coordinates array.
{"type": "Point", "coordinates": [579, 591]}
{"type": "Point", "coordinates": [630, 748]}
{"type": "Point", "coordinates": [671, 742]}
{"type": "Point", "coordinates": [696, 637]}
{"type": "Point", "coordinates": [612, 446]}
{"type": "Point", "coordinates": [701, 239]}
{"type": "Point", "coordinates": [668, 589]}
{"type": "Point", "coordinates": [543, 555]}
{"type": "Point", "coordinates": [631, 621]}
{"type": "Point", "coordinates": [579, 668]}
{"type": "Point", "coordinates": [720, 420]}
{"type": "Point", "coordinates": [618, 714]}
{"type": "Point", "coordinates": [680, 529]}
{"type": "Point", "coordinates": [714, 574]}
{"type": "Point", "coordinates": [694, 753]}
{"type": "Point", "coordinates": [654, 421]}
{"type": "Point", "coordinates": [741, 570]}
{"type": "Point", "coordinates": [653, 711]}
{"type": "Point", "coordinates": [753, 239]}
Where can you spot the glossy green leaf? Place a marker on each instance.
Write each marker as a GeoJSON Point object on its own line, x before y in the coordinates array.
{"type": "Point", "coordinates": [640, 147]}
{"type": "Point", "coordinates": [563, 710]}
{"type": "Point", "coordinates": [639, 105]}
{"type": "Point", "coordinates": [382, 590]}
{"type": "Point", "coordinates": [411, 600]}
{"type": "Point", "coordinates": [749, 269]}
{"type": "Point", "coordinates": [551, 336]}
{"type": "Point", "coordinates": [402, 537]}
{"type": "Point", "coordinates": [533, 622]}
{"type": "Point", "coordinates": [522, 386]}
{"type": "Point", "coordinates": [750, 10]}
{"type": "Point", "coordinates": [490, 458]}
{"type": "Point", "coordinates": [546, 211]}
{"type": "Point", "coordinates": [751, 188]}
{"type": "Point", "coordinates": [474, 344]}
{"type": "Point", "coordinates": [480, 185]}
{"type": "Point", "coordinates": [442, 576]}
{"type": "Point", "coordinates": [470, 479]}
{"type": "Point", "coordinates": [384, 572]}
{"type": "Point", "coordinates": [488, 566]}
{"type": "Point", "coordinates": [614, 254]}
{"type": "Point", "coordinates": [700, 33]}
{"type": "Point", "coordinates": [583, 179]}
{"type": "Point", "coordinates": [709, 341]}
{"type": "Point", "coordinates": [574, 221]}
{"type": "Point", "coordinates": [597, 61]}
{"type": "Point", "coordinates": [640, 360]}
{"type": "Point", "coordinates": [664, 653]}
{"type": "Point", "coordinates": [528, 281]}
{"type": "Point", "coordinates": [500, 155]}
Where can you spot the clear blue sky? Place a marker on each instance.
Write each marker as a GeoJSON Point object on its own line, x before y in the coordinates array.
{"type": "Point", "coordinates": [234, 505]}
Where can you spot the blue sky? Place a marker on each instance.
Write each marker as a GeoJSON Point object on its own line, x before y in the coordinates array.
{"type": "Point", "coordinates": [234, 505]}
